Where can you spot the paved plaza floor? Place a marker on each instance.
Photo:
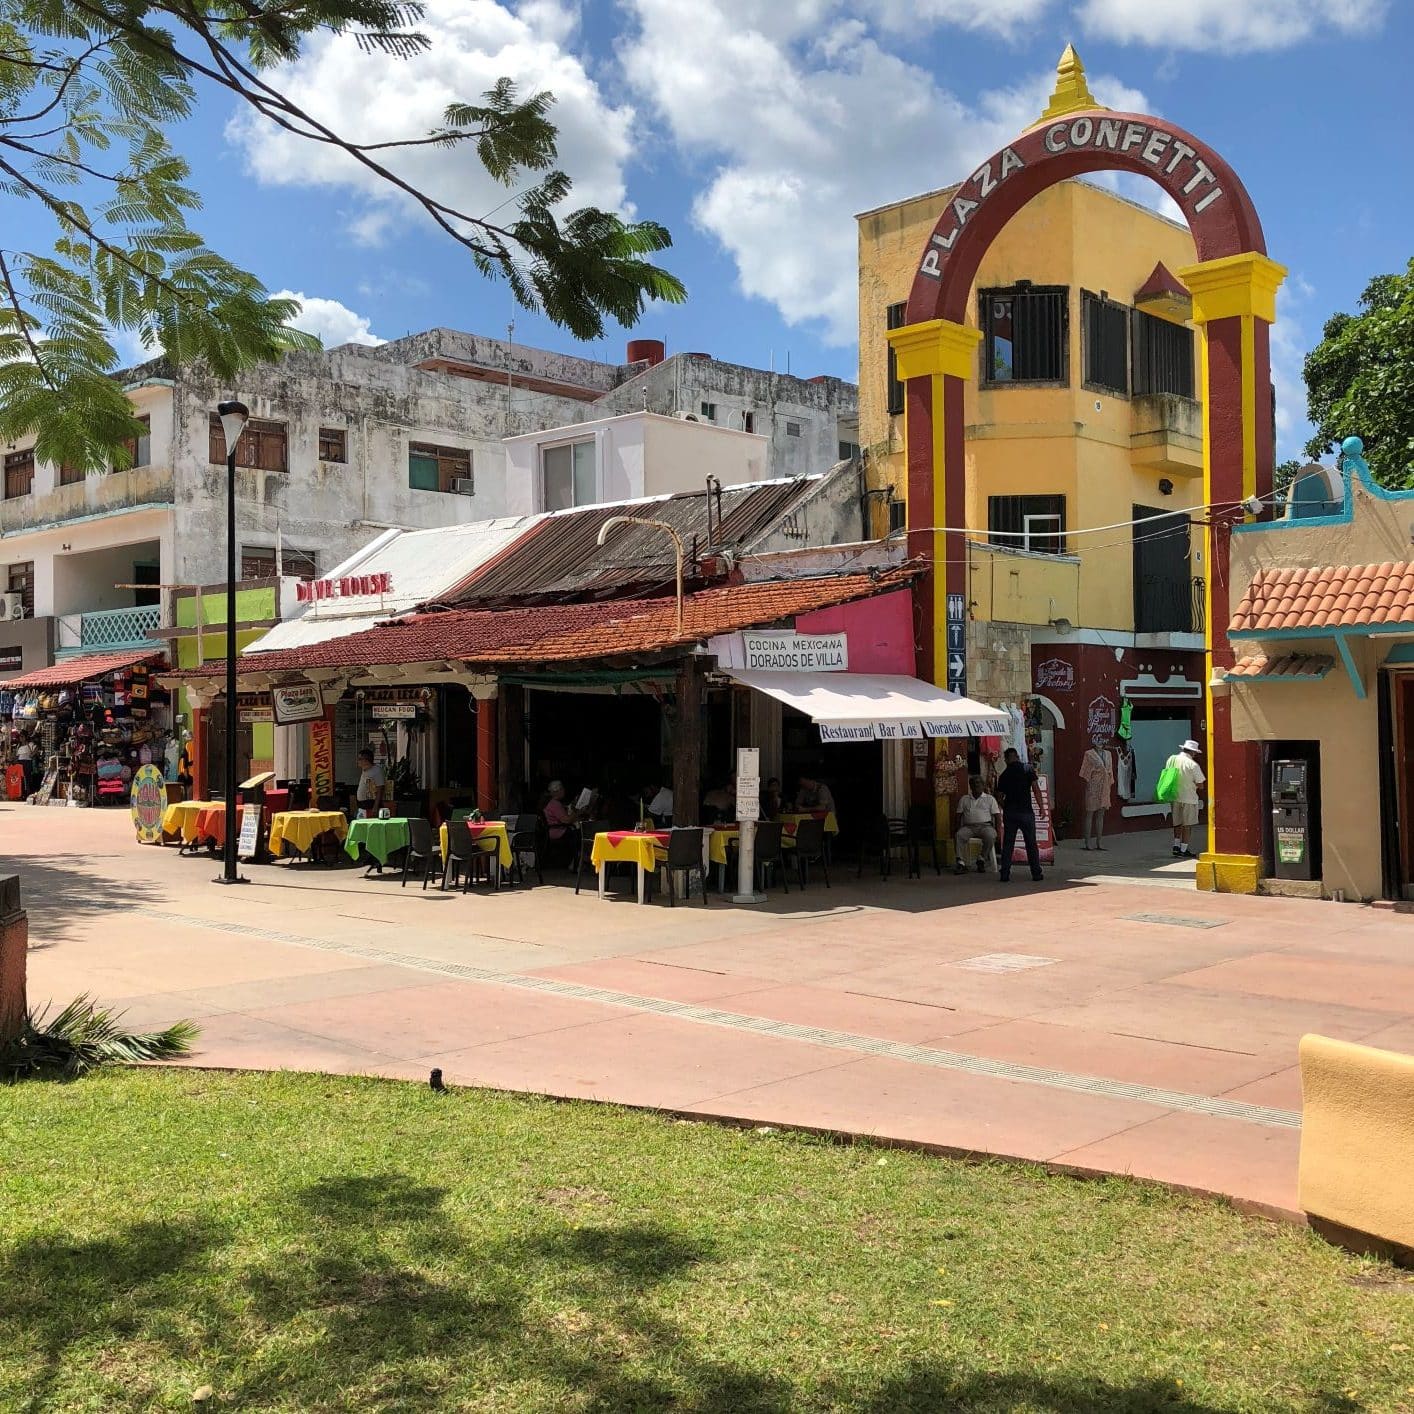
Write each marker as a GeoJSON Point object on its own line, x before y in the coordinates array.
{"type": "Point", "coordinates": [1111, 1018]}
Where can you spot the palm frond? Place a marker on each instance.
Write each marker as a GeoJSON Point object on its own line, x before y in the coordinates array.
{"type": "Point", "coordinates": [82, 1037]}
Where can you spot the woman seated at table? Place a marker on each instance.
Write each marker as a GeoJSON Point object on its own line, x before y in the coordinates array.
{"type": "Point", "coordinates": [771, 799]}
{"type": "Point", "coordinates": [558, 816]}
{"type": "Point", "coordinates": [813, 796]}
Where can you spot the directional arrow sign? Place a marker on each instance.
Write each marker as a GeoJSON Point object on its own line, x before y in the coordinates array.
{"type": "Point", "coordinates": [956, 666]}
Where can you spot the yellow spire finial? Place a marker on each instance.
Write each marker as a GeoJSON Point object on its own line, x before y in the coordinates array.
{"type": "Point", "coordinates": [1072, 91]}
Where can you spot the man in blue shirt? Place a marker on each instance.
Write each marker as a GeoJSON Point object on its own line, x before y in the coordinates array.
{"type": "Point", "coordinates": [1016, 789]}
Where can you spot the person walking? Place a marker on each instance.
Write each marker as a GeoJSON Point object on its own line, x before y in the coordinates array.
{"type": "Point", "coordinates": [1186, 804]}
{"type": "Point", "coordinates": [1098, 772]}
{"type": "Point", "coordinates": [980, 818]}
{"type": "Point", "coordinates": [1017, 790]}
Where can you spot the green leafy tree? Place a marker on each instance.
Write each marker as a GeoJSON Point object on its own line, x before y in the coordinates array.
{"type": "Point", "coordinates": [1360, 379]}
{"type": "Point", "coordinates": [87, 91]}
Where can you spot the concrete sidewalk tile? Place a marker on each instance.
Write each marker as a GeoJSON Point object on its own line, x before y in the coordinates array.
{"type": "Point", "coordinates": [669, 980]}
{"type": "Point", "coordinates": [248, 1042]}
{"type": "Point", "coordinates": [439, 1015]}
{"type": "Point", "coordinates": [637, 1060]}
{"type": "Point", "coordinates": [1088, 1051]}
{"type": "Point", "coordinates": [831, 1008]}
{"type": "Point", "coordinates": [1373, 986]}
{"type": "Point", "coordinates": [157, 1010]}
{"type": "Point", "coordinates": [1247, 1161]}
{"type": "Point", "coordinates": [1399, 1037]}
{"type": "Point", "coordinates": [895, 1099]}
{"type": "Point", "coordinates": [1209, 1017]}
{"type": "Point", "coordinates": [1281, 1090]}
{"type": "Point", "coordinates": [279, 990]}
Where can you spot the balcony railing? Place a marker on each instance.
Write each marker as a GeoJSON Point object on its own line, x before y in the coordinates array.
{"type": "Point", "coordinates": [1169, 604]}
{"type": "Point", "coordinates": [108, 629]}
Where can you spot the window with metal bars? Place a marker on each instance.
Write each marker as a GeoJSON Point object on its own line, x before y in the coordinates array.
{"type": "Point", "coordinates": [894, 319]}
{"type": "Point", "coordinates": [258, 562]}
{"type": "Point", "coordinates": [1035, 523]}
{"type": "Point", "coordinates": [333, 444]}
{"type": "Point", "coordinates": [1025, 334]}
{"type": "Point", "coordinates": [1105, 331]}
{"type": "Point", "coordinates": [19, 473]}
{"type": "Point", "coordinates": [263, 446]}
{"type": "Point", "coordinates": [439, 468]}
{"type": "Point", "coordinates": [1163, 356]}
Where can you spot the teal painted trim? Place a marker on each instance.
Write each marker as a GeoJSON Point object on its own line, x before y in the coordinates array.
{"type": "Point", "coordinates": [1346, 657]}
{"type": "Point", "coordinates": [1354, 464]}
{"type": "Point", "coordinates": [1400, 653]}
{"type": "Point", "coordinates": [1359, 630]}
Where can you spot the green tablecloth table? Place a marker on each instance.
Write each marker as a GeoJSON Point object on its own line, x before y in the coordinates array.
{"type": "Point", "coordinates": [381, 838]}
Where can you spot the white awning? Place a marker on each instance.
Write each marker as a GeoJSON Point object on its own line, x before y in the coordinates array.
{"type": "Point", "coordinates": [875, 706]}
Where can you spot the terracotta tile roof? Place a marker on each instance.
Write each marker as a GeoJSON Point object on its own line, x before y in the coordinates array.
{"type": "Point", "coordinates": [1293, 667]}
{"type": "Point", "coordinates": [568, 632]}
{"type": "Point", "coordinates": [72, 671]}
{"type": "Point", "coordinates": [1326, 598]}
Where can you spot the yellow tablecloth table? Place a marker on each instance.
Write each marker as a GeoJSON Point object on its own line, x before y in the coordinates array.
{"type": "Point", "coordinates": [300, 828]}
{"type": "Point", "coordinates": [491, 835]}
{"type": "Point", "coordinates": [719, 836]}
{"type": "Point", "coordinates": [180, 819]}
{"type": "Point", "coordinates": [791, 818]}
{"type": "Point", "coordinates": [647, 849]}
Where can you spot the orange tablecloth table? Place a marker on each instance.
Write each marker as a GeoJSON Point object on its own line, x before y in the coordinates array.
{"type": "Point", "coordinates": [300, 828]}
{"type": "Point", "coordinates": [645, 848]}
{"type": "Point", "coordinates": [179, 821]}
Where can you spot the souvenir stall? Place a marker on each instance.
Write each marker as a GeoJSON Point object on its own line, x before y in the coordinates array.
{"type": "Point", "coordinates": [89, 724]}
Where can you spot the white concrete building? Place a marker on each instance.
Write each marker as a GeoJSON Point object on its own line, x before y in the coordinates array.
{"type": "Point", "coordinates": [421, 433]}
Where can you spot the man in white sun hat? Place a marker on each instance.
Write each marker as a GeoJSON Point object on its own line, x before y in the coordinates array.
{"type": "Point", "coordinates": [1186, 802]}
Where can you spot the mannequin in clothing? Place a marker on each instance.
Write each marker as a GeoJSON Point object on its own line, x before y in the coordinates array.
{"type": "Point", "coordinates": [1126, 771]}
{"type": "Point", "coordinates": [1098, 772]}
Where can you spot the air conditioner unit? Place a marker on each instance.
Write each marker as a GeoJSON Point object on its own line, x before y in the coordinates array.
{"type": "Point", "coordinates": [14, 605]}
{"type": "Point", "coordinates": [464, 486]}
{"type": "Point", "coordinates": [686, 416]}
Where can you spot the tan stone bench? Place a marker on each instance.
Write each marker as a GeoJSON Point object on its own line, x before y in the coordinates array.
{"type": "Point", "coordinates": [1357, 1139]}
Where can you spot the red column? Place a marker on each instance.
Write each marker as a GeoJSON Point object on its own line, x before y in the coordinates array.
{"type": "Point", "coordinates": [486, 755]}
{"type": "Point", "coordinates": [1234, 767]}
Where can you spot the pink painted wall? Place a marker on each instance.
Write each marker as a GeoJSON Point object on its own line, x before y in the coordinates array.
{"type": "Point", "coordinates": [880, 631]}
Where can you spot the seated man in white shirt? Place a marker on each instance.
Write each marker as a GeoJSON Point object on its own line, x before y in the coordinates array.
{"type": "Point", "coordinates": [981, 819]}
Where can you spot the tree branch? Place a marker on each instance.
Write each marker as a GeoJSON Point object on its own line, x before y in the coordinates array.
{"type": "Point", "coordinates": [70, 71]}
{"type": "Point", "coordinates": [23, 320]}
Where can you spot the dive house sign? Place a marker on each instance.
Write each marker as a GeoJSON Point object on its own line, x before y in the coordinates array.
{"type": "Point", "coordinates": [1176, 163]}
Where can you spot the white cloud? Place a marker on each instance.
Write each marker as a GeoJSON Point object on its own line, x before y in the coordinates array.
{"type": "Point", "coordinates": [1290, 343]}
{"type": "Point", "coordinates": [333, 322]}
{"type": "Point", "coordinates": [805, 118]}
{"type": "Point", "coordinates": [370, 98]}
{"type": "Point", "coordinates": [1228, 26]}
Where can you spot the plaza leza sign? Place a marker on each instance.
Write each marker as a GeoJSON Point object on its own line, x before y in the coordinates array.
{"type": "Point", "coordinates": [300, 703]}
{"type": "Point", "coordinates": [349, 586]}
{"type": "Point", "coordinates": [796, 652]}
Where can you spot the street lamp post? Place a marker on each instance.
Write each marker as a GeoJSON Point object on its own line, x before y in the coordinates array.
{"type": "Point", "coordinates": [233, 417]}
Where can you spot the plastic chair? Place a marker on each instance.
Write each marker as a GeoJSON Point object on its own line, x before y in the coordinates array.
{"type": "Point", "coordinates": [524, 831]}
{"type": "Point", "coordinates": [810, 849]}
{"type": "Point", "coordinates": [769, 852]}
{"type": "Point", "coordinates": [685, 857]}
{"type": "Point", "coordinates": [420, 849]}
{"type": "Point", "coordinates": [462, 850]}
{"type": "Point", "coordinates": [882, 838]}
{"type": "Point", "coordinates": [583, 855]}
{"type": "Point", "coordinates": [920, 830]}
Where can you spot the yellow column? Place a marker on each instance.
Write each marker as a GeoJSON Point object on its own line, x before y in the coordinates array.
{"type": "Point", "coordinates": [936, 349]}
{"type": "Point", "coordinates": [1241, 287]}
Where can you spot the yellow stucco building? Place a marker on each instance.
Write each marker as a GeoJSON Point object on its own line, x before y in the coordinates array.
{"type": "Point", "coordinates": [1082, 418]}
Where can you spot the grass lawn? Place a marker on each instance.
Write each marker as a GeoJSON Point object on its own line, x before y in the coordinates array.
{"type": "Point", "coordinates": [310, 1243]}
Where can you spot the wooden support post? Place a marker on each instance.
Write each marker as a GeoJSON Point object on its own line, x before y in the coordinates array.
{"type": "Point", "coordinates": [510, 746]}
{"type": "Point", "coordinates": [687, 743]}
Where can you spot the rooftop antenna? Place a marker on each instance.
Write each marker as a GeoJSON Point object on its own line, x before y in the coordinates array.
{"type": "Point", "coordinates": [510, 342]}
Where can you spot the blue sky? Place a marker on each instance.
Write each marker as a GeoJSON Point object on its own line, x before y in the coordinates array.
{"type": "Point", "coordinates": [755, 129]}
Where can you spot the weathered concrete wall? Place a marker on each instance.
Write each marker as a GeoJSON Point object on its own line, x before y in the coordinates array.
{"type": "Point", "coordinates": [33, 639]}
{"type": "Point", "coordinates": [830, 514]}
{"type": "Point", "coordinates": [824, 410]}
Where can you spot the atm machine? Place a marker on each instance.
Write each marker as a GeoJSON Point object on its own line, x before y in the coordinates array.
{"type": "Point", "coordinates": [1296, 831]}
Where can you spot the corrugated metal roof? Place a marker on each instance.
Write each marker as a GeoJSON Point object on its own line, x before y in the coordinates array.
{"type": "Point", "coordinates": [423, 565]}
{"type": "Point", "coordinates": [560, 554]}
